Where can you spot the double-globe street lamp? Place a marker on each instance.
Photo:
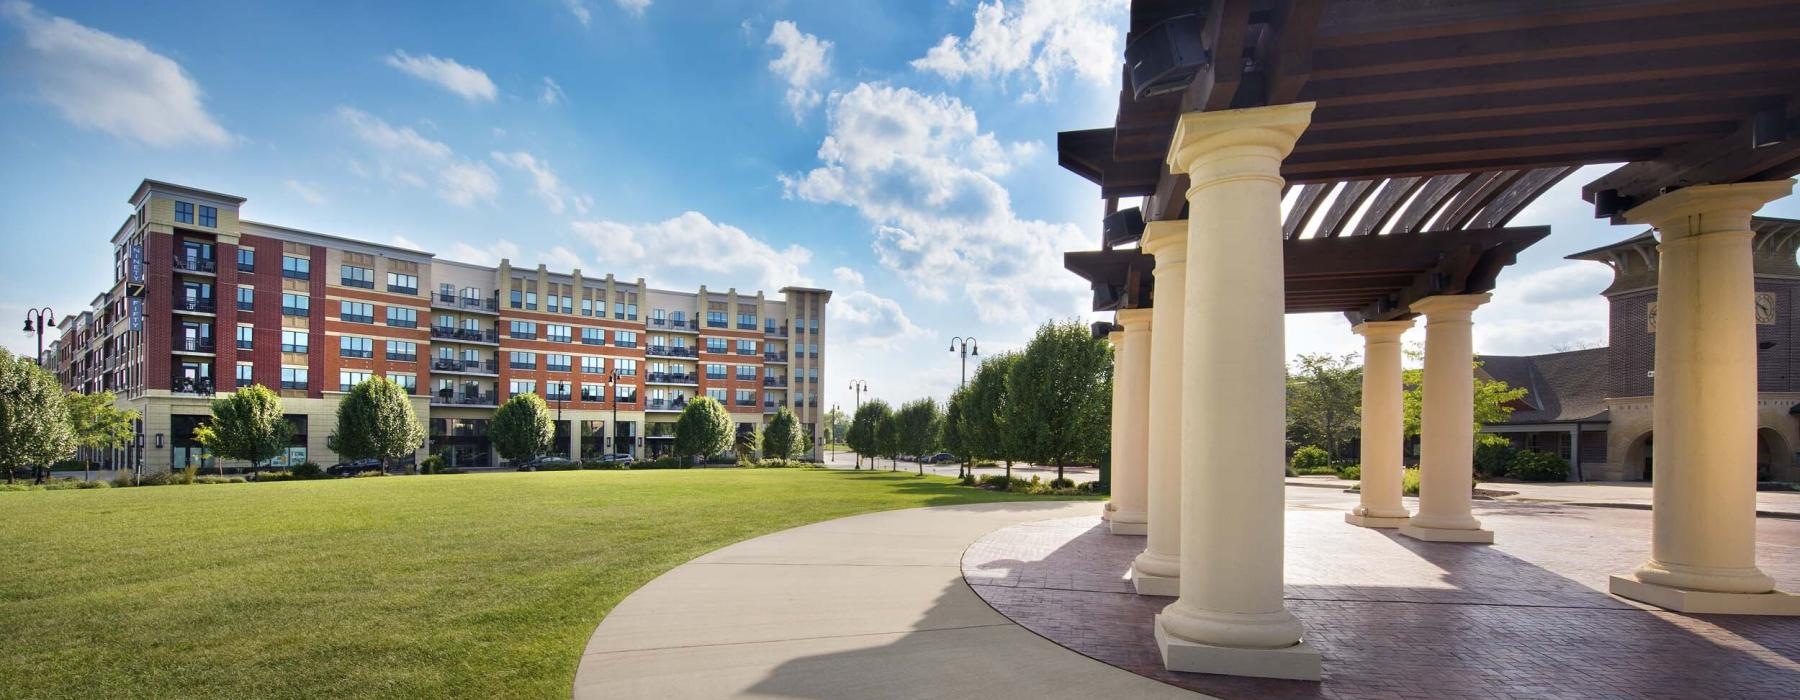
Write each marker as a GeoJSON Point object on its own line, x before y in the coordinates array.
{"type": "Point", "coordinates": [37, 320]}
{"type": "Point", "coordinates": [968, 347]}
{"type": "Point", "coordinates": [859, 386]}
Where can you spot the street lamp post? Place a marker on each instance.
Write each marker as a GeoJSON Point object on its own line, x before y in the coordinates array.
{"type": "Point", "coordinates": [859, 386]}
{"type": "Point", "coordinates": [44, 318]}
{"type": "Point", "coordinates": [967, 346]}
{"type": "Point", "coordinates": [612, 393]}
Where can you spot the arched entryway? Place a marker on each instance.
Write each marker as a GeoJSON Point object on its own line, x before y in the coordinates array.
{"type": "Point", "coordinates": [1638, 457]}
{"type": "Point", "coordinates": [1774, 457]}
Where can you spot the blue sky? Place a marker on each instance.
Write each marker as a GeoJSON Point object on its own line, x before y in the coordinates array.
{"type": "Point", "coordinates": [901, 153]}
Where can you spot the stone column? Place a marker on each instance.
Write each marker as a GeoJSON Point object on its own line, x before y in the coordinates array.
{"type": "Point", "coordinates": [1157, 570]}
{"type": "Point", "coordinates": [1703, 543]}
{"type": "Point", "coordinates": [1117, 339]}
{"type": "Point", "coordinates": [1383, 426]}
{"type": "Point", "coordinates": [1230, 617]}
{"type": "Point", "coordinates": [1447, 424]}
{"type": "Point", "coordinates": [1131, 400]}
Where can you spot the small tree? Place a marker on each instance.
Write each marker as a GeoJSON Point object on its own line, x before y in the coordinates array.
{"type": "Point", "coordinates": [1324, 400]}
{"type": "Point", "coordinates": [953, 431]}
{"type": "Point", "coordinates": [887, 439]}
{"type": "Point", "coordinates": [703, 430]}
{"type": "Point", "coordinates": [246, 425]}
{"type": "Point", "coordinates": [746, 443]}
{"type": "Point", "coordinates": [1491, 396]}
{"type": "Point", "coordinates": [983, 430]}
{"type": "Point", "coordinates": [99, 424]}
{"type": "Point", "coordinates": [1057, 400]}
{"type": "Point", "coordinates": [34, 416]}
{"type": "Point", "coordinates": [376, 421]}
{"type": "Point", "coordinates": [836, 423]}
{"type": "Point", "coordinates": [919, 425]}
{"type": "Point", "coordinates": [522, 430]}
{"type": "Point", "coordinates": [781, 437]}
{"type": "Point", "coordinates": [861, 437]}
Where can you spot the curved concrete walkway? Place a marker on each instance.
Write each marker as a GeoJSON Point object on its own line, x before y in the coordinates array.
{"type": "Point", "coordinates": [870, 606]}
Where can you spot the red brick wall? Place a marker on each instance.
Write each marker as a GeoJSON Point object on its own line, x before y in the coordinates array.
{"type": "Point", "coordinates": [159, 308]}
{"type": "Point", "coordinates": [316, 350]}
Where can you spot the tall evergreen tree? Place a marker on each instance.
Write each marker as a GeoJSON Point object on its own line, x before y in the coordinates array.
{"type": "Point", "coordinates": [246, 425]}
{"type": "Point", "coordinates": [1057, 399]}
{"type": "Point", "coordinates": [34, 416]}
{"type": "Point", "coordinates": [521, 429]}
{"type": "Point", "coordinates": [99, 424]}
{"type": "Point", "coordinates": [703, 430]}
{"type": "Point", "coordinates": [919, 427]}
{"type": "Point", "coordinates": [376, 421]}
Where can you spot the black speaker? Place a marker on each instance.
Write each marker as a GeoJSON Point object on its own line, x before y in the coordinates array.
{"type": "Point", "coordinates": [1166, 56]}
{"type": "Point", "coordinates": [1122, 227]}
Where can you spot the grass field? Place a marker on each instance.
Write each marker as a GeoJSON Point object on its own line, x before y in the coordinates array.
{"type": "Point", "coordinates": [481, 585]}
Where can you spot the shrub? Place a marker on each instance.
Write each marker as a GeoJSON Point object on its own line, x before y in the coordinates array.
{"type": "Point", "coordinates": [1351, 472]}
{"type": "Point", "coordinates": [369, 473]}
{"type": "Point", "coordinates": [278, 476]}
{"type": "Point", "coordinates": [61, 484]}
{"type": "Point", "coordinates": [1531, 465]}
{"type": "Point", "coordinates": [157, 479]}
{"type": "Point", "coordinates": [125, 477]}
{"type": "Point", "coordinates": [1062, 483]}
{"type": "Point", "coordinates": [19, 486]}
{"type": "Point", "coordinates": [1309, 457]}
{"type": "Point", "coordinates": [94, 485]}
{"type": "Point", "coordinates": [307, 470]}
{"type": "Point", "coordinates": [1409, 482]}
{"type": "Point", "coordinates": [431, 465]}
{"type": "Point", "coordinates": [1494, 456]}
{"type": "Point", "coordinates": [605, 466]}
{"type": "Point", "coordinates": [218, 480]}
{"type": "Point", "coordinates": [661, 463]}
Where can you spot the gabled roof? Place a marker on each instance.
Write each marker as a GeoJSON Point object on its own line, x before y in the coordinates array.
{"type": "Point", "coordinates": [1563, 387]}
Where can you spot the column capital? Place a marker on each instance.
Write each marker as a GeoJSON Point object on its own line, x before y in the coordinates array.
{"type": "Point", "coordinates": [1382, 331]}
{"type": "Point", "coordinates": [1135, 320]}
{"type": "Point", "coordinates": [1167, 240]}
{"type": "Point", "coordinates": [1449, 307]}
{"type": "Point", "coordinates": [1204, 141]}
{"type": "Point", "coordinates": [1691, 211]}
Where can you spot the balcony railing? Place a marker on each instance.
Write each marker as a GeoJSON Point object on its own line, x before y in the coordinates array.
{"type": "Point", "coordinates": [774, 357]}
{"type": "Point", "coordinates": [451, 398]}
{"type": "Point", "coordinates": [673, 378]}
{"type": "Point", "coordinates": [774, 381]}
{"type": "Point", "coordinates": [669, 351]}
{"type": "Point", "coordinates": [198, 386]}
{"type": "Point", "coordinates": [746, 326]}
{"type": "Point", "coordinates": [746, 402]}
{"type": "Point", "coordinates": [195, 304]}
{"type": "Point", "coordinates": [455, 365]}
{"type": "Point", "coordinates": [716, 324]}
{"type": "Point", "coordinates": [188, 264]}
{"type": "Point", "coordinates": [193, 344]}
{"type": "Point", "coordinates": [452, 301]}
{"type": "Point", "coordinates": [465, 334]}
{"type": "Point", "coordinates": [666, 404]}
{"type": "Point", "coordinates": [781, 332]}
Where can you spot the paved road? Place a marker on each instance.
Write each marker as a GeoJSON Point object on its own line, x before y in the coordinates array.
{"type": "Point", "coordinates": [846, 460]}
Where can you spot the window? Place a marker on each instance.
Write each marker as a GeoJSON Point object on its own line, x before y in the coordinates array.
{"type": "Point", "coordinates": [593, 392]}
{"type": "Point", "coordinates": [625, 339]}
{"type": "Point", "coordinates": [295, 305]}
{"type": "Point", "coordinates": [812, 349]}
{"type": "Point", "coordinates": [246, 299]}
{"type": "Point", "coordinates": [625, 393]}
{"type": "Point", "coordinates": [715, 345]}
{"type": "Point", "coordinates": [245, 337]}
{"type": "Point", "coordinates": [348, 380]}
{"type": "Point", "coordinates": [746, 373]}
{"type": "Point", "coordinates": [409, 382]}
{"type": "Point", "coordinates": [813, 324]}
{"type": "Point", "coordinates": [352, 346]}
{"type": "Point", "coordinates": [747, 321]}
{"type": "Point", "coordinates": [587, 307]}
{"type": "Point", "coordinates": [716, 395]}
{"type": "Point", "coordinates": [531, 301]}
{"type": "Point", "coordinates": [403, 284]}
{"type": "Point", "coordinates": [524, 329]}
{"type": "Point", "coordinates": [631, 312]}
{"type": "Point", "coordinates": [715, 371]}
{"type": "Point", "coordinates": [715, 319]}
{"type": "Point", "coordinates": [356, 311]}
{"type": "Point", "coordinates": [556, 391]}
{"type": "Point", "coordinates": [353, 276]}
{"type": "Point", "coordinates": [209, 216]}
{"type": "Point", "coordinates": [593, 336]}
{"type": "Point", "coordinates": [296, 268]}
{"type": "Point", "coordinates": [245, 374]}
{"type": "Point", "coordinates": [593, 365]}
{"type": "Point", "coordinates": [521, 386]}
{"type": "Point", "coordinates": [246, 259]}
{"type": "Point", "coordinates": [625, 367]}
{"type": "Point", "coordinates": [745, 397]}
{"type": "Point", "coordinates": [556, 363]}
{"type": "Point", "coordinates": [746, 347]}
{"type": "Point", "coordinates": [812, 374]}
{"type": "Point", "coordinates": [401, 317]}
{"type": "Point", "coordinates": [516, 299]}
{"type": "Point", "coordinates": [293, 341]}
{"type": "Point", "coordinates": [556, 333]}
{"type": "Point", "coordinates": [522, 360]}
{"type": "Point", "coordinates": [402, 350]}
{"type": "Point", "coordinates": [184, 212]}
{"type": "Point", "coordinates": [293, 377]}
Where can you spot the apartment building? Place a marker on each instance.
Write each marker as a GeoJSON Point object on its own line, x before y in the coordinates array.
{"type": "Point", "coordinates": [311, 315]}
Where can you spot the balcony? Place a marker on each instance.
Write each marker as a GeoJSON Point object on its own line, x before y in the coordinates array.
{"type": "Point", "coordinates": [746, 326]}
{"type": "Point", "coordinates": [669, 351]}
{"type": "Point", "coordinates": [665, 404]}
{"type": "Point", "coordinates": [199, 305]}
{"type": "Point", "coordinates": [452, 301]}
{"type": "Point", "coordinates": [486, 367]}
{"type": "Point", "coordinates": [446, 397]}
{"type": "Point", "coordinates": [203, 266]}
{"type": "Point", "coordinates": [774, 332]}
{"type": "Point", "coordinates": [193, 386]}
{"type": "Point", "coordinates": [199, 345]}
{"type": "Point", "coordinates": [771, 406]}
{"type": "Point", "coordinates": [775, 381]}
{"type": "Point", "coordinates": [466, 335]}
{"type": "Point", "coordinates": [672, 378]}
{"type": "Point", "coordinates": [774, 357]}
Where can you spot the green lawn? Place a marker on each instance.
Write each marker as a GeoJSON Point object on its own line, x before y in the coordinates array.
{"type": "Point", "coordinates": [480, 585]}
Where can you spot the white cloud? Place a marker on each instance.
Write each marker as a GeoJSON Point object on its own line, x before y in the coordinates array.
{"type": "Point", "coordinates": [847, 276]}
{"type": "Point", "coordinates": [553, 94]}
{"type": "Point", "coordinates": [803, 62]}
{"type": "Point", "coordinates": [402, 155]}
{"type": "Point", "coordinates": [635, 7]}
{"type": "Point", "coordinates": [306, 193]}
{"type": "Point", "coordinates": [1043, 37]}
{"type": "Point", "coordinates": [870, 320]}
{"type": "Point", "coordinates": [471, 84]}
{"type": "Point", "coordinates": [579, 9]}
{"type": "Point", "coordinates": [111, 84]}
{"type": "Point", "coordinates": [921, 171]}
{"type": "Point", "coordinates": [490, 255]}
{"type": "Point", "coordinates": [1542, 311]}
{"type": "Point", "coordinates": [405, 242]}
{"type": "Point", "coordinates": [544, 181]}
{"type": "Point", "coordinates": [690, 250]}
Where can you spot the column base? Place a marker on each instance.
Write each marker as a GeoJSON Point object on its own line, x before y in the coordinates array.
{"type": "Point", "coordinates": [1371, 521]}
{"type": "Point", "coordinates": [1704, 602]}
{"type": "Point", "coordinates": [1152, 584]}
{"type": "Point", "coordinates": [1124, 523]}
{"type": "Point", "coordinates": [1439, 534]}
{"type": "Point", "coordinates": [1299, 662]}
{"type": "Point", "coordinates": [1106, 511]}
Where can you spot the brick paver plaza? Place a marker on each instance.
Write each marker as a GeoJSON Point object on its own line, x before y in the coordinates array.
{"type": "Point", "coordinates": [1527, 617]}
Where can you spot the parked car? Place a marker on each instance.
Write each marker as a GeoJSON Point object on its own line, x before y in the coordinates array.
{"type": "Point", "coordinates": [353, 467]}
{"type": "Point", "coordinates": [941, 458]}
{"type": "Point", "coordinates": [546, 464]}
{"type": "Point", "coordinates": [619, 458]}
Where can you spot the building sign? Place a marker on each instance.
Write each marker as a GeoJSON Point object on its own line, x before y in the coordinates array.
{"type": "Point", "coordinates": [1765, 311]}
{"type": "Point", "coordinates": [137, 313]}
{"type": "Point", "coordinates": [137, 261]}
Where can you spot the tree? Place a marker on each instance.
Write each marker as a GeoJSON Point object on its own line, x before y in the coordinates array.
{"type": "Point", "coordinates": [34, 416]}
{"type": "Point", "coordinates": [781, 436]}
{"type": "Point", "coordinates": [521, 430]}
{"type": "Point", "coordinates": [919, 429]}
{"type": "Point", "coordinates": [861, 437]}
{"type": "Point", "coordinates": [376, 421]}
{"type": "Point", "coordinates": [1057, 405]}
{"type": "Point", "coordinates": [1491, 396]}
{"type": "Point", "coordinates": [836, 424]}
{"type": "Point", "coordinates": [703, 430]}
{"type": "Point", "coordinates": [246, 425]}
{"type": "Point", "coordinates": [953, 431]}
{"type": "Point", "coordinates": [1324, 397]}
{"type": "Point", "coordinates": [99, 424]}
{"type": "Point", "coordinates": [746, 444]}
{"type": "Point", "coordinates": [983, 431]}
{"type": "Point", "coordinates": [887, 439]}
